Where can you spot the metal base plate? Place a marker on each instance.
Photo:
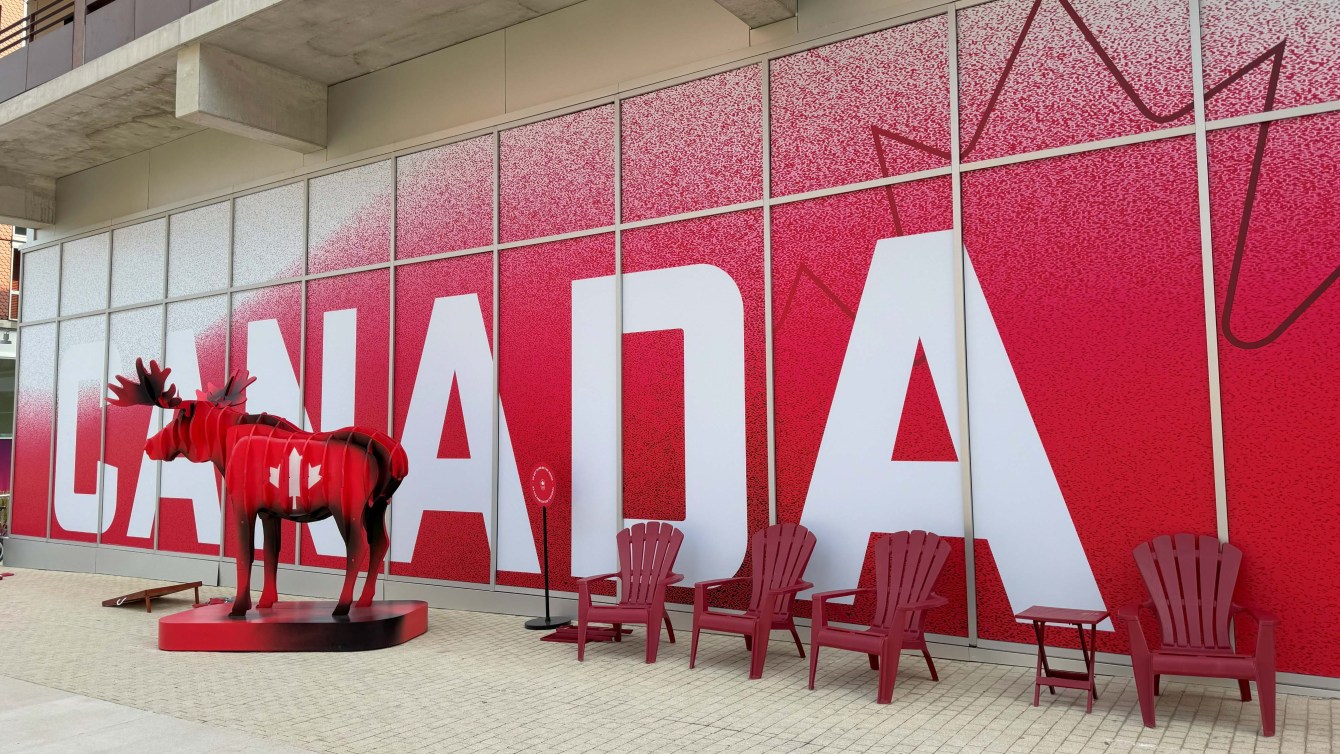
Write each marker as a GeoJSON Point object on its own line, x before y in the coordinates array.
{"type": "Point", "coordinates": [547, 624]}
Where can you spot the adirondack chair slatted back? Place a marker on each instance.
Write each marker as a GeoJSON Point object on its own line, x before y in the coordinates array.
{"type": "Point", "coordinates": [779, 555]}
{"type": "Point", "coordinates": [907, 565]}
{"type": "Point", "coordinates": [646, 557]}
{"type": "Point", "coordinates": [1190, 581]}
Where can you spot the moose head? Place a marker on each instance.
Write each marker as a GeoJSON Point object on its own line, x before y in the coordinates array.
{"type": "Point", "coordinates": [197, 426]}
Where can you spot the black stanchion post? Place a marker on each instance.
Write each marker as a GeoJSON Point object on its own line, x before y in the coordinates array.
{"type": "Point", "coordinates": [544, 532]}
{"type": "Point", "coordinates": [547, 622]}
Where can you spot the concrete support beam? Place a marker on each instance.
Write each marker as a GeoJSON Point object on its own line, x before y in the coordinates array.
{"type": "Point", "coordinates": [27, 200]}
{"type": "Point", "coordinates": [225, 91]}
{"type": "Point", "coordinates": [758, 13]}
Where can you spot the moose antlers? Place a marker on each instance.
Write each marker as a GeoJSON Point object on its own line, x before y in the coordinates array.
{"type": "Point", "coordinates": [233, 392]}
{"type": "Point", "coordinates": [153, 389]}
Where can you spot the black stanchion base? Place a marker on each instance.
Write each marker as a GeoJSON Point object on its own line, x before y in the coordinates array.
{"type": "Point", "coordinates": [547, 624]}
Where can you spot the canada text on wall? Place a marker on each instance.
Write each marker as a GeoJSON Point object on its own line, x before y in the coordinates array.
{"type": "Point", "coordinates": [1027, 291]}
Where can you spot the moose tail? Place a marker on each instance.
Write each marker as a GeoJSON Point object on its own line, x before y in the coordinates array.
{"type": "Point", "coordinates": [395, 461]}
{"type": "Point", "coordinates": [399, 461]}
{"type": "Point", "coordinates": [390, 449]}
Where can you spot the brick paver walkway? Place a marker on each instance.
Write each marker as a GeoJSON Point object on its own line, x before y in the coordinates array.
{"type": "Point", "coordinates": [479, 682]}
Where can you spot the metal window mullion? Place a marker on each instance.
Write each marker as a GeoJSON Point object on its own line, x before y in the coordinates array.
{"type": "Point", "coordinates": [158, 422]}
{"type": "Point", "coordinates": [765, 80]}
{"type": "Point", "coordinates": [849, 188]}
{"type": "Point", "coordinates": [162, 354]}
{"type": "Point", "coordinates": [51, 442]}
{"type": "Point", "coordinates": [618, 318]}
{"type": "Point", "coordinates": [302, 324]}
{"type": "Point", "coordinates": [1088, 146]}
{"type": "Point", "coordinates": [302, 347]}
{"type": "Point", "coordinates": [961, 331]}
{"type": "Point", "coordinates": [496, 408]}
{"type": "Point", "coordinates": [618, 327]}
{"type": "Point", "coordinates": [1207, 277]}
{"type": "Point", "coordinates": [18, 383]}
{"type": "Point", "coordinates": [102, 402]}
{"type": "Point", "coordinates": [14, 440]}
{"type": "Point", "coordinates": [724, 209]}
{"type": "Point", "coordinates": [390, 353]}
{"type": "Point", "coordinates": [302, 339]}
{"type": "Point", "coordinates": [541, 240]}
{"type": "Point", "coordinates": [55, 376]}
{"type": "Point", "coordinates": [1265, 116]}
{"type": "Point", "coordinates": [227, 365]}
{"type": "Point", "coordinates": [425, 258]}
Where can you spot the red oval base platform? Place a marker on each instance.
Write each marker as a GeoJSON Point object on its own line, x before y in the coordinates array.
{"type": "Point", "coordinates": [293, 627]}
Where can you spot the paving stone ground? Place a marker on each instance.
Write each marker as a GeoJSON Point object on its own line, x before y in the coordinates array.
{"type": "Point", "coordinates": [477, 682]}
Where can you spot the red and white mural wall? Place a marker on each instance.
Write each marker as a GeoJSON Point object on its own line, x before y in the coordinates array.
{"type": "Point", "coordinates": [783, 230]}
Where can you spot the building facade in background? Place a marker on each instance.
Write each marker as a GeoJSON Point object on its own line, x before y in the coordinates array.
{"type": "Point", "coordinates": [1048, 278]}
{"type": "Point", "coordinates": [11, 11]}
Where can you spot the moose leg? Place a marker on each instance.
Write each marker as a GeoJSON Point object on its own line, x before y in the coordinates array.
{"type": "Point", "coordinates": [246, 552]}
{"type": "Point", "coordinates": [374, 522]}
{"type": "Point", "coordinates": [355, 544]}
{"type": "Point", "coordinates": [273, 533]}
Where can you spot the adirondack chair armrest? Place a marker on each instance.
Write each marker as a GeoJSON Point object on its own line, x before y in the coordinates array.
{"type": "Point", "coordinates": [932, 601]}
{"type": "Point", "coordinates": [799, 586]}
{"type": "Point", "coordinates": [1262, 617]}
{"type": "Point", "coordinates": [714, 583]}
{"type": "Point", "coordinates": [658, 598]}
{"type": "Point", "coordinates": [820, 602]}
{"type": "Point", "coordinates": [1265, 628]}
{"type": "Point", "coordinates": [770, 594]}
{"type": "Point", "coordinates": [1131, 612]}
{"type": "Point", "coordinates": [921, 607]}
{"type": "Point", "coordinates": [826, 596]}
{"type": "Point", "coordinates": [700, 590]}
{"type": "Point", "coordinates": [1130, 615]}
{"type": "Point", "coordinates": [584, 585]}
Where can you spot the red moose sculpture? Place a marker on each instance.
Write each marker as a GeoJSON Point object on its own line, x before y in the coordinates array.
{"type": "Point", "coordinates": [274, 470]}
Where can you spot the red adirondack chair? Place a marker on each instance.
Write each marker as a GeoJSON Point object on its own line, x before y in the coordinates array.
{"type": "Point", "coordinates": [907, 565]}
{"type": "Point", "coordinates": [779, 556]}
{"type": "Point", "coordinates": [1190, 581]}
{"type": "Point", "coordinates": [646, 556]}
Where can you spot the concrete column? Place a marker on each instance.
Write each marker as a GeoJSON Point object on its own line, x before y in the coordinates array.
{"type": "Point", "coordinates": [758, 13]}
{"type": "Point", "coordinates": [225, 91]}
{"type": "Point", "coordinates": [27, 200]}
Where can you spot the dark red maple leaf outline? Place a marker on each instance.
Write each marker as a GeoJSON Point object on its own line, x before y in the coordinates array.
{"type": "Point", "coordinates": [1275, 55]}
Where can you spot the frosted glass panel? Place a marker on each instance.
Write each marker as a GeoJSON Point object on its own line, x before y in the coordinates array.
{"type": "Point", "coordinates": [198, 250]}
{"type": "Point", "coordinates": [138, 254]}
{"type": "Point", "coordinates": [268, 235]}
{"type": "Point", "coordinates": [41, 284]}
{"type": "Point", "coordinates": [83, 275]}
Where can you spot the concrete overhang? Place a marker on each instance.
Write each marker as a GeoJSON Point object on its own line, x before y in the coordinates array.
{"type": "Point", "coordinates": [26, 200]}
{"type": "Point", "coordinates": [124, 102]}
{"type": "Point", "coordinates": [758, 13]}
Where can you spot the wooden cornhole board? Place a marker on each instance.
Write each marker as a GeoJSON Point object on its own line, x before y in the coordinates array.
{"type": "Point", "coordinates": [148, 594]}
{"type": "Point", "coordinates": [568, 634]}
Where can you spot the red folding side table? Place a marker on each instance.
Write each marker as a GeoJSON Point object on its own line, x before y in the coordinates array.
{"type": "Point", "coordinates": [1067, 679]}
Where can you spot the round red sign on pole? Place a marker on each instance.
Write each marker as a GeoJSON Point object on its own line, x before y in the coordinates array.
{"type": "Point", "coordinates": [542, 485]}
